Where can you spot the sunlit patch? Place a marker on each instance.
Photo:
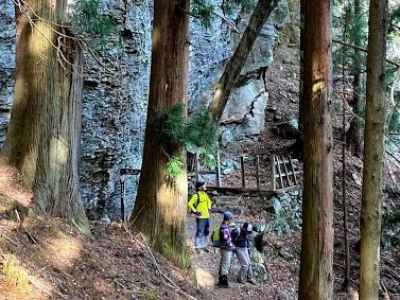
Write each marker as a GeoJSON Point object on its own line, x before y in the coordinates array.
{"type": "Point", "coordinates": [58, 152]}
{"type": "Point", "coordinates": [10, 189]}
{"type": "Point", "coordinates": [62, 251]}
{"type": "Point", "coordinates": [156, 37]}
{"type": "Point", "coordinates": [18, 283]}
{"type": "Point", "coordinates": [41, 39]}
{"type": "Point", "coordinates": [169, 196]}
{"type": "Point", "coordinates": [204, 278]}
{"type": "Point", "coordinates": [218, 93]}
{"type": "Point", "coordinates": [319, 86]}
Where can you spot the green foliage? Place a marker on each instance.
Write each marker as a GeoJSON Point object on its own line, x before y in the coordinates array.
{"type": "Point", "coordinates": [174, 167]}
{"type": "Point", "coordinates": [391, 229]}
{"type": "Point", "coordinates": [394, 123]}
{"type": "Point", "coordinates": [87, 18]}
{"type": "Point", "coordinates": [287, 213]}
{"type": "Point", "coordinates": [198, 135]}
{"type": "Point", "coordinates": [395, 20]}
{"type": "Point", "coordinates": [203, 9]}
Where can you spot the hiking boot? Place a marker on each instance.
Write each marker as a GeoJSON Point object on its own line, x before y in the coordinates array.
{"type": "Point", "coordinates": [223, 281]}
{"type": "Point", "coordinates": [206, 250]}
{"type": "Point", "coordinates": [252, 281]}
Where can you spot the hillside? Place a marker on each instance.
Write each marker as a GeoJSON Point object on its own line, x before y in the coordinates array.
{"type": "Point", "coordinates": [47, 259]}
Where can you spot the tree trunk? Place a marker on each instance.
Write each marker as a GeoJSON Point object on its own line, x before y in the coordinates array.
{"type": "Point", "coordinates": [232, 70]}
{"type": "Point", "coordinates": [298, 146]}
{"type": "Point", "coordinates": [316, 278]}
{"type": "Point", "coordinates": [160, 208]}
{"type": "Point", "coordinates": [44, 133]}
{"type": "Point", "coordinates": [355, 131]}
{"type": "Point", "coordinates": [373, 152]}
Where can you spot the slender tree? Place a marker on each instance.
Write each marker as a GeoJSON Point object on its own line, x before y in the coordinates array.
{"type": "Point", "coordinates": [316, 278]}
{"type": "Point", "coordinates": [44, 132]}
{"type": "Point", "coordinates": [232, 70]}
{"type": "Point", "coordinates": [355, 132]}
{"type": "Point", "coordinates": [160, 207]}
{"type": "Point", "coordinates": [374, 151]}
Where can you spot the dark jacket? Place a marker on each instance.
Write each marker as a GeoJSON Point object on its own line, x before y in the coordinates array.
{"type": "Point", "coordinates": [241, 238]}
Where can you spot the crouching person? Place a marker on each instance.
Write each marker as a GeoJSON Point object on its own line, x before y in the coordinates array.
{"type": "Point", "coordinates": [226, 248]}
{"type": "Point", "coordinates": [241, 238]}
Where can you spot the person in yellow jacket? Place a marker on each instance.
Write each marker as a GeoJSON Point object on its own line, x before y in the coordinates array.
{"type": "Point", "coordinates": [200, 205]}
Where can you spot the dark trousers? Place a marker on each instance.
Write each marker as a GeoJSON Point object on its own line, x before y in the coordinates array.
{"type": "Point", "coordinates": [202, 232]}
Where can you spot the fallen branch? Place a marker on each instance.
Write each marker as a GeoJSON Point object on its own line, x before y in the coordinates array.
{"type": "Point", "coordinates": [363, 50]}
{"type": "Point", "coordinates": [393, 156]}
{"type": "Point", "coordinates": [169, 282]}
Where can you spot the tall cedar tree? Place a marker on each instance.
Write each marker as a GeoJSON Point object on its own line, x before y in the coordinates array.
{"type": "Point", "coordinates": [44, 132]}
{"type": "Point", "coordinates": [232, 70]}
{"type": "Point", "coordinates": [160, 208]}
{"type": "Point", "coordinates": [374, 151]}
{"type": "Point", "coordinates": [317, 237]}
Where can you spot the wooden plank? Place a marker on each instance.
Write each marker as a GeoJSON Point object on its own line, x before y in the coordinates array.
{"type": "Point", "coordinates": [294, 172]}
{"type": "Point", "coordinates": [219, 183]}
{"type": "Point", "coordinates": [238, 190]}
{"type": "Point", "coordinates": [291, 173]}
{"type": "Point", "coordinates": [258, 172]}
{"type": "Point", "coordinates": [289, 188]}
{"type": "Point", "coordinates": [243, 172]}
{"type": "Point", "coordinates": [286, 171]}
{"type": "Point", "coordinates": [279, 171]}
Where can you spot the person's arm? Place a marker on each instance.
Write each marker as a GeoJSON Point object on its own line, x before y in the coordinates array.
{"type": "Point", "coordinates": [191, 203]}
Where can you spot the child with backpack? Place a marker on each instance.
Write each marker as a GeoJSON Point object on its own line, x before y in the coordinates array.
{"type": "Point", "coordinates": [200, 205]}
{"type": "Point", "coordinates": [226, 248]}
{"type": "Point", "coordinates": [241, 238]}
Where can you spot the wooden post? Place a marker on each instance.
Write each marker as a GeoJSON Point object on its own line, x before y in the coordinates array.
{"type": "Point", "coordinates": [218, 169]}
{"type": "Point", "coordinates": [243, 172]}
{"type": "Point", "coordinates": [197, 167]}
{"type": "Point", "coordinates": [273, 173]}
{"type": "Point", "coordinates": [258, 172]}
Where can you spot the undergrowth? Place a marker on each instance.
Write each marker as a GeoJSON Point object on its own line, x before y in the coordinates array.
{"type": "Point", "coordinates": [15, 275]}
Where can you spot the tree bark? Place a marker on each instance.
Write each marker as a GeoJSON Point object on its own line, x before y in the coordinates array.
{"type": "Point", "coordinates": [316, 278]}
{"type": "Point", "coordinates": [44, 133]}
{"type": "Point", "coordinates": [233, 68]}
{"type": "Point", "coordinates": [371, 211]}
{"type": "Point", "coordinates": [160, 208]}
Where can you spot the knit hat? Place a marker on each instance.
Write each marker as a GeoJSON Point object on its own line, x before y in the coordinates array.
{"type": "Point", "coordinates": [199, 184]}
{"type": "Point", "coordinates": [228, 216]}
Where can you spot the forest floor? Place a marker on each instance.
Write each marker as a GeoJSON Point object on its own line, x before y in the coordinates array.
{"type": "Point", "coordinates": [47, 259]}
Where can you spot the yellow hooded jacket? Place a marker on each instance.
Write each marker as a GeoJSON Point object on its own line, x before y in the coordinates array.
{"type": "Point", "coordinates": [202, 205]}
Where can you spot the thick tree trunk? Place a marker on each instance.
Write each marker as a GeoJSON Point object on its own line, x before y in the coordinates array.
{"type": "Point", "coordinates": [316, 278]}
{"type": "Point", "coordinates": [160, 208]}
{"type": "Point", "coordinates": [374, 151]}
{"type": "Point", "coordinates": [44, 133]}
{"type": "Point", "coordinates": [235, 65]}
{"type": "Point", "coordinates": [355, 132]}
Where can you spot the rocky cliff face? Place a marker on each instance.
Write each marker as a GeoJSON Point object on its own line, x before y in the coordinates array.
{"type": "Point", "coordinates": [115, 93]}
{"type": "Point", "coordinates": [7, 63]}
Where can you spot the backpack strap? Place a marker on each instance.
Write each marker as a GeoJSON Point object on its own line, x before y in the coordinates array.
{"type": "Point", "coordinates": [197, 201]}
